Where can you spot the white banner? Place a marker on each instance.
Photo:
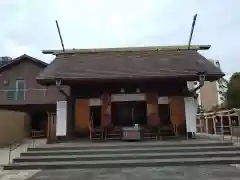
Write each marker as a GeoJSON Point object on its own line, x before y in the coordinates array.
{"type": "Point", "coordinates": [61, 124]}
{"type": "Point", "coordinates": [191, 114]}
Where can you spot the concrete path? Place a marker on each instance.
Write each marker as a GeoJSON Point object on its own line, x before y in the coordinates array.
{"type": "Point", "coordinates": [17, 175]}
{"type": "Point", "coordinates": [4, 154]}
{"type": "Point", "coordinates": [160, 173]}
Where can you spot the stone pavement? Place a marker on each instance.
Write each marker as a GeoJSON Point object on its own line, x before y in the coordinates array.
{"type": "Point", "coordinates": [215, 172]}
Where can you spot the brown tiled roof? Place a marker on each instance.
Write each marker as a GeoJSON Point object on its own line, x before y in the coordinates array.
{"type": "Point", "coordinates": [113, 65]}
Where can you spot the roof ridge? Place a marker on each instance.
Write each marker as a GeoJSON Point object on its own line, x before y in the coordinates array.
{"type": "Point", "coordinates": [128, 49]}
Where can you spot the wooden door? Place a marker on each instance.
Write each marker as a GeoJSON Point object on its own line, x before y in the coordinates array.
{"type": "Point", "coordinates": [51, 127]}
{"type": "Point", "coordinates": [82, 115]}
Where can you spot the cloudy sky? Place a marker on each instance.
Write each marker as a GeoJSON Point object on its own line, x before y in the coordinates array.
{"type": "Point", "coordinates": [27, 26]}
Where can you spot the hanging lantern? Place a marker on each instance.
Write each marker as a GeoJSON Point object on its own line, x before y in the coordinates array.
{"type": "Point", "coordinates": [137, 90]}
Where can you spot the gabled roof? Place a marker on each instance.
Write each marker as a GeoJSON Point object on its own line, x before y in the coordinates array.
{"type": "Point", "coordinates": [129, 64]}
{"type": "Point", "coordinates": [20, 58]}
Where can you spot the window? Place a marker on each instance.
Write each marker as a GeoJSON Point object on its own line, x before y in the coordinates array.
{"type": "Point", "coordinates": [16, 90]}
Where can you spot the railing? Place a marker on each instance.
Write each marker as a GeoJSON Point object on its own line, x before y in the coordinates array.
{"type": "Point", "coordinates": [226, 131]}
{"type": "Point", "coordinates": [235, 132]}
{"type": "Point", "coordinates": [12, 146]}
{"type": "Point", "coordinates": [30, 96]}
{"type": "Point", "coordinates": [15, 144]}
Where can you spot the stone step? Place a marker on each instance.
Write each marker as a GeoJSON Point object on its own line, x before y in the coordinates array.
{"type": "Point", "coordinates": [130, 150]}
{"type": "Point", "coordinates": [123, 163]}
{"type": "Point", "coordinates": [130, 156]}
{"type": "Point", "coordinates": [132, 145]}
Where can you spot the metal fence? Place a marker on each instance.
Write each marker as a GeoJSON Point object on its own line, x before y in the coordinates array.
{"type": "Point", "coordinates": [226, 131]}
{"type": "Point", "coordinates": [235, 132]}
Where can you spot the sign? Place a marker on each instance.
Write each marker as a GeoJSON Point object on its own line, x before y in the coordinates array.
{"type": "Point", "coordinates": [163, 100]}
{"type": "Point", "coordinates": [127, 97]}
{"type": "Point", "coordinates": [61, 124]}
{"type": "Point", "coordinates": [131, 133]}
{"type": "Point", "coordinates": [191, 114]}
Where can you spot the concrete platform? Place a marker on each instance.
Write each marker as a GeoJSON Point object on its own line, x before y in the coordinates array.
{"type": "Point", "coordinates": [206, 172]}
{"type": "Point", "coordinates": [131, 156]}
{"type": "Point", "coordinates": [124, 145]}
{"type": "Point", "coordinates": [124, 163]}
{"type": "Point", "coordinates": [130, 150]}
{"type": "Point", "coordinates": [127, 154]}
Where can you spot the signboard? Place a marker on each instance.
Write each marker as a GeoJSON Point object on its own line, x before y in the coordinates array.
{"type": "Point", "coordinates": [191, 114]}
{"type": "Point", "coordinates": [61, 124]}
{"type": "Point", "coordinates": [127, 97]}
{"type": "Point", "coordinates": [131, 133]}
{"type": "Point", "coordinates": [163, 100]}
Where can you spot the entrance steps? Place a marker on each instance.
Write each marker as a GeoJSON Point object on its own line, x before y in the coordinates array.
{"type": "Point", "coordinates": [127, 154]}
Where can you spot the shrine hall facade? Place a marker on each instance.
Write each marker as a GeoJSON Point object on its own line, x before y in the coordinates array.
{"type": "Point", "coordinates": [109, 89]}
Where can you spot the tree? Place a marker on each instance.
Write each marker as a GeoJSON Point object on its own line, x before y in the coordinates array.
{"type": "Point", "coordinates": [233, 91]}
{"type": "Point", "coordinates": [222, 89]}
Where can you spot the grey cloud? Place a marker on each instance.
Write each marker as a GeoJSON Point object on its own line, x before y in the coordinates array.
{"type": "Point", "coordinates": [30, 25]}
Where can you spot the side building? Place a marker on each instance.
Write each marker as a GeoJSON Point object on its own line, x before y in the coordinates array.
{"type": "Point", "coordinates": [24, 103]}
{"type": "Point", "coordinates": [212, 93]}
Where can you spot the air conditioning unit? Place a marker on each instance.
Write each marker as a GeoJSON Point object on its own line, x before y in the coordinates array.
{"type": "Point", "coordinates": [5, 82]}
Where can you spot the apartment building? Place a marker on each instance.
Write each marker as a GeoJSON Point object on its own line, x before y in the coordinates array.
{"type": "Point", "coordinates": [212, 93]}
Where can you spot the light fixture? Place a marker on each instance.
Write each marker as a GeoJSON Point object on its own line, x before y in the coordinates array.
{"type": "Point", "coordinates": [58, 82]}
{"type": "Point", "coordinates": [137, 90]}
{"type": "Point", "coordinates": [201, 77]}
{"type": "Point", "coordinates": [5, 82]}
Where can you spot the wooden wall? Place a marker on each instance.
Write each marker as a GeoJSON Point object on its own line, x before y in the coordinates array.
{"type": "Point", "coordinates": [176, 104]}
{"type": "Point", "coordinates": [152, 109]}
{"type": "Point", "coordinates": [82, 115]}
{"type": "Point", "coordinates": [177, 112]}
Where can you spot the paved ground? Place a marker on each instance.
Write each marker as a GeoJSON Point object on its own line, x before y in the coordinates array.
{"type": "Point", "coordinates": [4, 152]}
{"type": "Point", "coordinates": [215, 172]}
{"type": "Point", "coordinates": [17, 175]}
{"type": "Point", "coordinates": [163, 173]}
